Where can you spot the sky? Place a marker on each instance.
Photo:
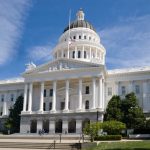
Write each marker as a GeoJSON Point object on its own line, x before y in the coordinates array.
{"type": "Point", "coordinates": [29, 30]}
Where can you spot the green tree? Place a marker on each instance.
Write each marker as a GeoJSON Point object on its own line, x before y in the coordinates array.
{"type": "Point", "coordinates": [8, 125]}
{"type": "Point", "coordinates": [92, 130]}
{"type": "Point", "coordinates": [126, 110]}
{"type": "Point", "coordinates": [113, 111]}
{"type": "Point", "coordinates": [133, 115]}
{"type": "Point", "coordinates": [14, 115]}
{"type": "Point", "coordinates": [113, 127]}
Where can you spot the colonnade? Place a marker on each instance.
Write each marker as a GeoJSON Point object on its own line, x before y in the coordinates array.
{"type": "Point", "coordinates": [28, 96]}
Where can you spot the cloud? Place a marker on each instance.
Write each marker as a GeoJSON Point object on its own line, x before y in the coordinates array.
{"type": "Point", "coordinates": [40, 53]}
{"type": "Point", "coordinates": [128, 43]}
{"type": "Point", "coordinates": [12, 15]}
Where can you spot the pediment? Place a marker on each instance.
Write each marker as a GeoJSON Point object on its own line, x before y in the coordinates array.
{"type": "Point", "coordinates": [62, 64]}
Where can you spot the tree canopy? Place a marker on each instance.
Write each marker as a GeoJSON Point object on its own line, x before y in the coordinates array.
{"type": "Point", "coordinates": [125, 110]}
{"type": "Point", "coordinates": [13, 121]}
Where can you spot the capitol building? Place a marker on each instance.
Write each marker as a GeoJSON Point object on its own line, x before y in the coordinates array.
{"type": "Point", "coordinates": [74, 88]}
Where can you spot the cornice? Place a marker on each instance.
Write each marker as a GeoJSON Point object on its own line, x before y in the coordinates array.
{"type": "Point", "coordinates": [12, 81]}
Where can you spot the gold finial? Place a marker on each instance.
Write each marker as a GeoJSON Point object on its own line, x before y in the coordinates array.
{"type": "Point", "coordinates": [80, 14]}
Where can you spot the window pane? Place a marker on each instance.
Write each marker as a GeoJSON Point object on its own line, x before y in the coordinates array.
{"type": "Point", "coordinates": [137, 89]}
{"type": "Point", "coordinates": [87, 91]}
{"type": "Point", "coordinates": [123, 89]}
{"type": "Point", "coordinates": [51, 92]}
{"type": "Point", "coordinates": [86, 104]}
{"type": "Point", "coordinates": [44, 92]}
{"type": "Point", "coordinates": [109, 91]}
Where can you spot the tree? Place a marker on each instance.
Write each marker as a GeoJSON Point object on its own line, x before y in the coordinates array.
{"type": "Point", "coordinates": [8, 125]}
{"type": "Point", "coordinates": [113, 127]}
{"type": "Point", "coordinates": [92, 129]}
{"type": "Point", "coordinates": [113, 111]}
{"type": "Point", "coordinates": [14, 116]}
{"type": "Point", "coordinates": [133, 115]}
{"type": "Point", "coordinates": [126, 110]}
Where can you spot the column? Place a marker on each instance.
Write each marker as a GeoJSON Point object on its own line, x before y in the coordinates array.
{"type": "Point", "coordinates": [93, 96]}
{"type": "Point", "coordinates": [39, 125]}
{"type": "Point", "coordinates": [100, 103]}
{"type": "Point", "coordinates": [103, 93]}
{"type": "Point", "coordinates": [54, 97]}
{"type": "Point", "coordinates": [96, 52]}
{"type": "Point", "coordinates": [79, 126]}
{"type": "Point", "coordinates": [145, 105]}
{"type": "Point", "coordinates": [52, 126]}
{"type": "Point", "coordinates": [67, 95]}
{"type": "Point", "coordinates": [30, 97]}
{"type": "Point", "coordinates": [41, 97]}
{"type": "Point", "coordinates": [117, 88]}
{"type": "Point", "coordinates": [62, 54]}
{"type": "Point", "coordinates": [25, 97]}
{"type": "Point", "coordinates": [76, 52]}
{"type": "Point", "coordinates": [65, 126]}
{"type": "Point", "coordinates": [130, 87]}
{"type": "Point", "coordinates": [4, 107]}
{"type": "Point", "coordinates": [90, 53]}
{"type": "Point", "coordinates": [80, 94]}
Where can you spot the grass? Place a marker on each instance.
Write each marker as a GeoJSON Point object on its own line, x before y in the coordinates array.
{"type": "Point", "coordinates": [128, 145]}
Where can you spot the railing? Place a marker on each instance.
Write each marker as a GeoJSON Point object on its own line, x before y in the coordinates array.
{"type": "Point", "coordinates": [52, 146]}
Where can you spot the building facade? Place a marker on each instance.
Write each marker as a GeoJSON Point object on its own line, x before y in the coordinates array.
{"type": "Point", "coordinates": [64, 94]}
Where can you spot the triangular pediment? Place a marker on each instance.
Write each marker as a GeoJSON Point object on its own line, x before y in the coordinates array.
{"type": "Point", "coordinates": [62, 64]}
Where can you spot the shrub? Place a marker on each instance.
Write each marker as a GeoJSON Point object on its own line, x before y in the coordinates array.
{"type": "Point", "coordinates": [108, 137]}
{"type": "Point", "coordinates": [92, 130]}
{"type": "Point", "coordinates": [113, 127]}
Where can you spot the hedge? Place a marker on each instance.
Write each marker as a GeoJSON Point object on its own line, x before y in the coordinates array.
{"type": "Point", "coordinates": [108, 137]}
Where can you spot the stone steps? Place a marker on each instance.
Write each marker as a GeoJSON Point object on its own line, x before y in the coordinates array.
{"type": "Point", "coordinates": [25, 145]}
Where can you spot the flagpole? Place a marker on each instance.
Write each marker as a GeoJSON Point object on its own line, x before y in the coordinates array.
{"type": "Point", "coordinates": [69, 31]}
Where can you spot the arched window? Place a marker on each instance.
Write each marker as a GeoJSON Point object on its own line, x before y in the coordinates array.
{"type": "Point", "coordinates": [84, 54]}
{"type": "Point", "coordinates": [79, 54]}
{"type": "Point", "coordinates": [73, 54]}
{"type": "Point", "coordinates": [86, 104]}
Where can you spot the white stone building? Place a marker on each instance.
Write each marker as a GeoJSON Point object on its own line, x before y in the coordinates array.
{"type": "Point", "coordinates": [65, 93]}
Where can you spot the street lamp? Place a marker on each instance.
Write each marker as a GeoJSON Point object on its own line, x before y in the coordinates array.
{"type": "Point", "coordinates": [97, 114]}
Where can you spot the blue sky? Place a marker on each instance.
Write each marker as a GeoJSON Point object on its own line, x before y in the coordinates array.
{"type": "Point", "coordinates": [29, 29]}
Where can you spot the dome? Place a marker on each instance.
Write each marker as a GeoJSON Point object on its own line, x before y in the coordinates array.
{"type": "Point", "coordinates": [80, 22]}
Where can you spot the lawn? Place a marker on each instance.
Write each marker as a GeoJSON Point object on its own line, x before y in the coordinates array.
{"type": "Point", "coordinates": [129, 145]}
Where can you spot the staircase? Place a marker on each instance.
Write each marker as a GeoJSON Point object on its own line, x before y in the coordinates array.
{"type": "Point", "coordinates": [50, 146]}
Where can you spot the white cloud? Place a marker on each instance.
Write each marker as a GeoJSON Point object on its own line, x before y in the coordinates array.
{"type": "Point", "coordinates": [12, 15]}
{"type": "Point", "coordinates": [128, 43]}
{"type": "Point", "coordinates": [40, 53]}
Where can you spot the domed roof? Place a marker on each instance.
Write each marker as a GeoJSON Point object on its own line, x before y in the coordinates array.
{"type": "Point", "coordinates": [80, 22]}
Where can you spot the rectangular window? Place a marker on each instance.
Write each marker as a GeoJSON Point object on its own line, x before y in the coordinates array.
{"type": "Point", "coordinates": [51, 93]}
{"type": "Point", "coordinates": [62, 105]}
{"type": "Point", "coordinates": [123, 90]}
{"type": "Point", "coordinates": [44, 92]}
{"type": "Point", "coordinates": [12, 97]}
{"type": "Point", "coordinates": [137, 89]}
{"type": "Point", "coordinates": [87, 90]}
{"type": "Point", "coordinates": [50, 106]}
{"type": "Point", "coordinates": [44, 106]}
{"type": "Point", "coordinates": [79, 36]}
{"type": "Point", "coordinates": [109, 91]}
{"type": "Point", "coordinates": [2, 98]}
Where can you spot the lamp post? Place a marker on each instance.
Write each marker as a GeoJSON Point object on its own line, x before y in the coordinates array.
{"type": "Point", "coordinates": [97, 114]}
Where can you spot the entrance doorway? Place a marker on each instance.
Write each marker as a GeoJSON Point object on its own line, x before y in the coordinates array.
{"type": "Point", "coordinates": [72, 126]}
{"type": "Point", "coordinates": [46, 126]}
{"type": "Point", "coordinates": [33, 126]}
{"type": "Point", "coordinates": [58, 126]}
